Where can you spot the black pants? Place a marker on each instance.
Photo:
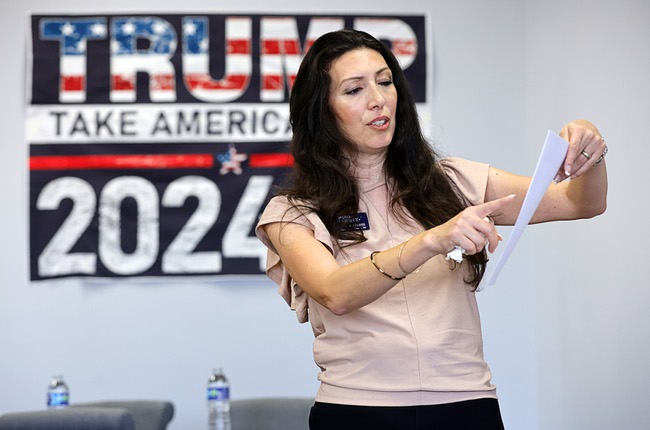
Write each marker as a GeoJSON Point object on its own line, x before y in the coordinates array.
{"type": "Point", "coordinates": [480, 414]}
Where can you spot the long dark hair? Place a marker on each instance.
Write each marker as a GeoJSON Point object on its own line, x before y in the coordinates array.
{"type": "Point", "coordinates": [321, 179]}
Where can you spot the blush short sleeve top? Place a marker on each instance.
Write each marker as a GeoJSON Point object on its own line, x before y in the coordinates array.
{"type": "Point", "coordinates": [421, 342]}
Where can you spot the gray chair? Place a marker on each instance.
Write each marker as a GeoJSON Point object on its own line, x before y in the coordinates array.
{"type": "Point", "coordinates": [108, 415]}
{"type": "Point", "coordinates": [286, 413]}
{"type": "Point", "coordinates": [146, 414]}
{"type": "Point", "coordinates": [98, 418]}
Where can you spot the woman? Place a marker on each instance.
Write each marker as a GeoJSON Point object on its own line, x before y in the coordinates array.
{"type": "Point", "coordinates": [358, 243]}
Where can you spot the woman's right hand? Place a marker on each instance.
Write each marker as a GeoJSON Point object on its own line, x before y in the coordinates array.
{"type": "Point", "coordinates": [344, 288]}
{"type": "Point", "coordinates": [471, 229]}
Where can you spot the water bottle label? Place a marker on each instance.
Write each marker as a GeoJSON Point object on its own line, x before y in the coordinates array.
{"type": "Point", "coordinates": [222, 393]}
{"type": "Point", "coordinates": [58, 399]}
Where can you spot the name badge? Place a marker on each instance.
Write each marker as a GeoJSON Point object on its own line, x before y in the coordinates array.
{"type": "Point", "coordinates": [354, 222]}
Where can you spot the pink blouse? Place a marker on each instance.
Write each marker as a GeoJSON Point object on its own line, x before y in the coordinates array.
{"type": "Point", "coordinates": [421, 342]}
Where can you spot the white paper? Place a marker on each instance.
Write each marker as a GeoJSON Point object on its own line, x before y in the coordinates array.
{"type": "Point", "coordinates": [553, 154]}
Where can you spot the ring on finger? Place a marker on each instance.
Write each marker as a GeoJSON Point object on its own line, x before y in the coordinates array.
{"type": "Point", "coordinates": [586, 154]}
{"type": "Point", "coordinates": [602, 156]}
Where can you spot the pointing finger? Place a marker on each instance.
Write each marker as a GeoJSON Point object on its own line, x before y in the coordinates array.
{"type": "Point", "coordinates": [492, 206]}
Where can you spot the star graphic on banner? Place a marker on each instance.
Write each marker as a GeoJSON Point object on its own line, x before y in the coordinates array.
{"type": "Point", "coordinates": [189, 28]}
{"type": "Point", "coordinates": [231, 161]}
{"type": "Point", "coordinates": [67, 29]}
{"type": "Point", "coordinates": [128, 28]}
{"type": "Point", "coordinates": [98, 29]}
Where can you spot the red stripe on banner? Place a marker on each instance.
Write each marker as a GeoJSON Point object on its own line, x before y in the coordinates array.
{"type": "Point", "coordinates": [122, 84]}
{"type": "Point", "coordinates": [272, 82]}
{"type": "Point", "coordinates": [277, 47]}
{"type": "Point", "coordinates": [271, 47]}
{"type": "Point", "coordinates": [291, 47]}
{"type": "Point", "coordinates": [404, 47]}
{"type": "Point", "coordinates": [270, 160]}
{"type": "Point", "coordinates": [163, 82]}
{"type": "Point", "coordinates": [78, 162]}
{"type": "Point", "coordinates": [72, 83]}
{"type": "Point", "coordinates": [202, 81]}
{"type": "Point", "coordinates": [239, 46]}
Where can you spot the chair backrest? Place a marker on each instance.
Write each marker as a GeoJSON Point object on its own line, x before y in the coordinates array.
{"type": "Point", "coordinates": [97, 418]}
{"type": "Point", "coordinates": [147, 414]}
{"type": "Point", "coordinates": [285, 413]}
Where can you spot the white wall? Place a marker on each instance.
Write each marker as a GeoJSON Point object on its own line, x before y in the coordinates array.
{"type": "Point", "coordinates": [592, 308]}
{"type": "Point", "coordinates": [565, 326]}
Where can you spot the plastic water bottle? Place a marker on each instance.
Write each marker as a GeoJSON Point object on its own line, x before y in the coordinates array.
{"type": "Point", "coordinates": [58, 395]}
{"type": "Point", "coordinates": [218, 401]}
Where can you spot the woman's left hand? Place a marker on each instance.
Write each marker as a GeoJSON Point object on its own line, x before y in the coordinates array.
{"type": "Point", "coordinates": [586, 149]}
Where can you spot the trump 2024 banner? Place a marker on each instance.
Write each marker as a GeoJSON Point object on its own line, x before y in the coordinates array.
{"type": "Point", "coordinates": [156, 140]}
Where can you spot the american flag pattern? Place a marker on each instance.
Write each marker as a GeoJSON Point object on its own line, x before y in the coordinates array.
{"type": "Point", "coordinates": [73, 35]}
{"type": "Point", "coordinates": [127, 59]}
{"type": "Point", "coordinates": [238, 59]}
{"type": "Point", "coordinates": [132, 122]}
